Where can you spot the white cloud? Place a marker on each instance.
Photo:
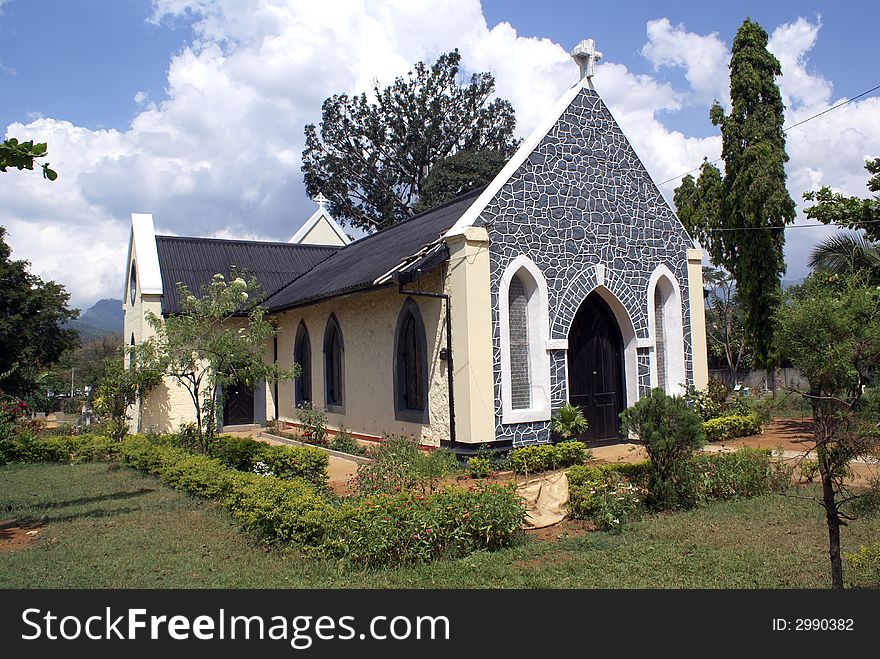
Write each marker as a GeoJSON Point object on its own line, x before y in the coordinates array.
{"type": "Point", "coordinates": [703, 57]}
{"type": "Point", "coordinates": [220, 156]}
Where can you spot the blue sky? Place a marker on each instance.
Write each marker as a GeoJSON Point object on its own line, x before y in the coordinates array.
{"type": "Point", "coordinates": [194, 110]}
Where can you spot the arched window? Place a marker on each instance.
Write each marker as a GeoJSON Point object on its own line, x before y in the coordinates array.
{"type": "Point", "coordinates": [660, 347]}
{"type": "Point", "coordinates": [666, 329]}
{"type": "Point", "coordinates": [334, 366]}
{"type": "Point", "coordinates": [525, 330]}
{"type": "Point", "coordinates": [410, 365]}
{"type": "Point", "coordinates": [302, 355]}
{"type": "Point", "coordinates": [518, 324]}
{"type": "Point", "coordinates": [132, 283]}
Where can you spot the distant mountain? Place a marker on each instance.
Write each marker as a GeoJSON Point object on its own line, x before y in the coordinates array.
{"type": "Point", "coordinates": [103, 318]}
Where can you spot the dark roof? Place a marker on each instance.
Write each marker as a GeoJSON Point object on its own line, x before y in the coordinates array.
{"type": "Point", "coordinates": [194, 261]}
{"type": "Point", "coordinates": [356, 266]}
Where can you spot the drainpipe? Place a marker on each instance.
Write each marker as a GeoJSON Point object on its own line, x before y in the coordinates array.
{"type": "Point", "coordinates": [448, 350]}
{"type": "Point", "coordinates": [275, 383]}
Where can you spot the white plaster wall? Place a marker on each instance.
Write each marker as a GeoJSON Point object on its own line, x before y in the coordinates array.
{"type": "Point", "coordinates": [367, 321]}
{"type": "Point", "coordinates": [321, 234]}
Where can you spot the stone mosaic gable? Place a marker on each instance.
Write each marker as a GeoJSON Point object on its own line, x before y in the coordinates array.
{"type": "Point", "coordinates": [582, 197]}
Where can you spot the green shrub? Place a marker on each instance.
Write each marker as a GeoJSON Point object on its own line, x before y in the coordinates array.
{"type": "Point", "coordinates": [344, 442]}
{"type": "Point", "coordinates": [304, 462]}
{"type": "Point", "coordinates": [729, 427]}
{"type": "Point", "coordinates": [541, 457]}
{"type": "Point", "coordinates": [571, 453]}
{"type": "Point", "coordinates": [670, 432]}
{"type": "Point", "coordinates": [740, 474]}
{"type": "Point", "coordinates": [809, 470]}
{"type": "Point", "coordinates": [392, 529]}
{"type": "Point", "coordinates": [479, 467]}
{"type": "Point", "coordinates": [399, 465]}
{"type": "Point", "coordinates": [592, 490]}
{"type": "Point", "coordinates": [280, 511]}
{"type": "Point", "coordinates": [243, 453]}
{"type": "Point", "coordinates": [239, 453]}
{"type": "Point", "coordinates": [865, 563]}
{"type": "Point", "coordinates": [869, 405]}
{"type": "Point", "coordinates": [375, 530]}
{"type": "Point", "coordinates": [29, 447]}
{"type": "Point", "coordinates": [710, 402]}
{"type": "Point", "coordinates": [568, 421]}
{"type": "Point", "coordinates": [314, 424]}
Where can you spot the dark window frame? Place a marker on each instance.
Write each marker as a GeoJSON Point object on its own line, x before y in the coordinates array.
{"type": "Point", "coordinates": [302, 386]}
{"type": "Point", "coordinates": [410, 319]}
{"type": "Point", "coordinates": [334, 373]}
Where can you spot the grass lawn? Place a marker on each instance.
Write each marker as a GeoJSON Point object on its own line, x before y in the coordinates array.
{"type": "Point", "coordinates": [105, 526]}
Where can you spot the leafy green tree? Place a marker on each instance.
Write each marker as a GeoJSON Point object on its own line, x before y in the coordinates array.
{"type": "Point", "coordinates": [740, 217]}
{"type": "Point", "coordinates": [370, 156]}
{"type": "Point", "coordinates": [457, 174]}
{"type": "Point", "coordinates": [830, 330]}
{"type": "Point", "coordinates": [33, 314]}
{"type": "Point", "coordinates": [217, 340]}
{"type": "Point", "coordinates": [21, 155]}
{"type": "Point", "coordinates": [848, 254]}
{"type": "Point", "coordinates": [670, 432]}
{"type": "Point", "coordinates": [853, 212]}
{"type": "Point", "coordinates": [123, 381]}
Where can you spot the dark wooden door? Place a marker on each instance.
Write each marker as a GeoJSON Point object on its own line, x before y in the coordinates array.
{"type": "Point", "coordinates": [595, 368]}
{"type": "Point", "coordinates": [238, 408]}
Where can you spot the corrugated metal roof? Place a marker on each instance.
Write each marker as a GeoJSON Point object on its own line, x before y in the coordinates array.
{"type": "Point", "coordinates": [194, 261]}
{"type": "Point", "coordinates": [358, 265]}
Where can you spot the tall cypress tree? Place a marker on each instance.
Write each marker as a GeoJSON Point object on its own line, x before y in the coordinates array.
{"type": "Point", "coordinates": [741, 220]}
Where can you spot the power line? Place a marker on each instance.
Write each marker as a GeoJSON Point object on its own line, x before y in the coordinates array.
{"type": "Point", "coordinates": [784, 129]}
{"type": "Point", "coordinates": [791, 226]}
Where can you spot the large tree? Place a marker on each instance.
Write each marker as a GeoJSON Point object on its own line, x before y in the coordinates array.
{"type": "Point", "coordinates": [853, 212]}
{"type": "Point", "coordinates": [457, 174]}
{"type": "Point", "coordinates": [371, 154]}
{"type": "Point", "coordinates": [740, 216]}
{"type": "Point", "coordinates": [848, 254]}
{"type": "Point", "coordinates": [33, 314]}
{"type": "Point", "coordinates": [830, 330]}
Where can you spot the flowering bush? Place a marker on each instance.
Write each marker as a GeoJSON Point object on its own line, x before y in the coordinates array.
{"type": "Point", "coordinates": [742, 473]}
{"type": "Point", "coordinates": [479, 467]}
{"type": "Point", "coordinates": [399, 465]}
{"type": "Point", "coordinates": [607, 494]}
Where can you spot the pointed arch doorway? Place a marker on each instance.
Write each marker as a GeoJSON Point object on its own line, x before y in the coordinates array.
{"type": "Point", "coordinates": [596, 374]}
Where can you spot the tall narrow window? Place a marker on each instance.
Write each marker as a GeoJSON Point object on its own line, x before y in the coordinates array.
{"type": "Point", "coordinates": [334, 370]}
{"type": "Point", "coordinates": [132, 283]}
{"type": "Point", "coordinates": [524, 330]}
{"type": "Point", "coordinates": [518, 324]}
{"type": "Point", "coordinates": [302, 355]}
{"type": "Point", "coordinates": [660, 347]}
{"type": "Point", "coordinates": [410, 365]}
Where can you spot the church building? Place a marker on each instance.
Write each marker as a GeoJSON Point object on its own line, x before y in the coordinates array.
{"type": "Point", "coordinates": [567, 279]}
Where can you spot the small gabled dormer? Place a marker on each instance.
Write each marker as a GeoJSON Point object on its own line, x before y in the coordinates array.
{"type": "Point", "coordinates": [320, 228]}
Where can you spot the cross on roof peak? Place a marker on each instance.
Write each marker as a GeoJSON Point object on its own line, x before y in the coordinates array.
{"type": "Point", "coordinates": [321, 200]}
{"type": "Point", "coordinates": [586, 55]}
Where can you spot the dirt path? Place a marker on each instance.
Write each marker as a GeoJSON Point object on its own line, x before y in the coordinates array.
{"type": "Point", "coordinates": [17, 535]}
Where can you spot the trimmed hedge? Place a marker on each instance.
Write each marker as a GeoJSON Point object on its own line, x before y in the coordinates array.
{"type": "Point", "coordinates": [278, 510]}
{"type": "Point", "coordinates": [372, 530]}
{"type": "Point", "coordinates": [542, 457]}
{"type": "Point", "coordinates": [27, 447]}
{"type": "Point", "coordinates": [728, 427]}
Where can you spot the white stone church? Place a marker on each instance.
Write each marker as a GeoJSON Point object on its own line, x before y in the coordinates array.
{"type": "Point", "coordinates": [567, 278]}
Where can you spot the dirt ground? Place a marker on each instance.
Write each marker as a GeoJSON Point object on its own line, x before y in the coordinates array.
{"type": "Point", "coordinates": [17, 535]}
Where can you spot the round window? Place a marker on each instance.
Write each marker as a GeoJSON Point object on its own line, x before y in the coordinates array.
{"type": "Point", "coordinates": [132, 283]}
